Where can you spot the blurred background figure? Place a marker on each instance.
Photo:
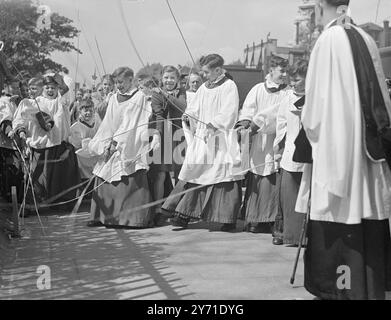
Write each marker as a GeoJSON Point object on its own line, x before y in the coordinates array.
{"type": "Point", "coordinates": [183, 82]}
{"type": "Point", "coordinates": [102, 102]}
{"type": "Point", "coordinates": [11, 173]}
{"type": "Point", "coordinates": [82, 131]}
{"type": "Point", "coordinates": [87, 94]}
{"type": "Point", "coordinates": [147, 86]}
{"type": "Point", "coordinates": [388, 81]}
{"type": "Point", "coordinates": [195, 81]}
{"type": "Point", "coordinates": [74, 107]}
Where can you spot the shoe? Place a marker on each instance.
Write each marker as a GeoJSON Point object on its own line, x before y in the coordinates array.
{"type": "Point", "coordinates": [253, 229]}
{"type": "Point", "coordinates": [115, 226]}
{"type": "Point", "coordinates": [227, 227]}
{"type": "Point", "coordinates": [159, 220]}
{"type": "Point", "coordinates": [278, 241]}
{"type": "Point", "coordinates": [180, 222]}
{"type": "Point", "coordinates": [92, 224]}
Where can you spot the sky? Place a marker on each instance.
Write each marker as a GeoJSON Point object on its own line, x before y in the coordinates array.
{"type": "Point", "coordinates": [209, 26]}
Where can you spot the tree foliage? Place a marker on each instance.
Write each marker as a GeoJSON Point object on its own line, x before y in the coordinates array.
{"type": "Point", "coordinates": [27, 48]}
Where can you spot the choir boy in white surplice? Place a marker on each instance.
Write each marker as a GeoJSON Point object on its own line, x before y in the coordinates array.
{"type": "Point", "coordinates": [10, 162]}
{"type": "Point", "coordinates": [348, 254]}
{"type": "Point", "coordinates": [43, 122]}
{"type": "Point", "coordinates": [121, 172]}
{"type": "Point", "coordinates": [258, 115]}
{"type": "Point", "coordinates": [212, 162]}
{"type": "Point", "coordinates": [82, 131]}
{"type": "Point", "coordinates": [287, 131]}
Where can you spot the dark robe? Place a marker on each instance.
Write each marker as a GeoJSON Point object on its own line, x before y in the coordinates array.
{"type": "Point", "coordinates": [364, 248]}
{"type": "Point", "coordinates": [11, 168]}
{"type": "Point", "coordinates": [167, 108]}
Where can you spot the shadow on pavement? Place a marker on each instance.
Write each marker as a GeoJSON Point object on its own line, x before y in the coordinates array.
{"type": "Point", "coordinates": [87, 263]}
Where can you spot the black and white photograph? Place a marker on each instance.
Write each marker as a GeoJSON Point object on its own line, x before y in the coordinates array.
{"type": "Point", "coordinates": [192, 156]}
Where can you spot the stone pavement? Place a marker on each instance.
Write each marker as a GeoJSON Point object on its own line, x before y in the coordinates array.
{"type": "Point", "coordinates": [159, 263]}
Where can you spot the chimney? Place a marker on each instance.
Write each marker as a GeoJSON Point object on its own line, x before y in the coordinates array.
{"type": "Point", "coordinates": [387, 33]}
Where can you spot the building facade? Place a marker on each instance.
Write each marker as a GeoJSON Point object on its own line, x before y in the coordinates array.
{"type": "Point", "coordinates": [382, 35]}
{"type": "Point", "coordinates": [258, 56]}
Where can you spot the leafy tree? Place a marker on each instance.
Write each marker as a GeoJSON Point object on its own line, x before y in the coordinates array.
{"type": "Point", "coordinates": [28, 48]}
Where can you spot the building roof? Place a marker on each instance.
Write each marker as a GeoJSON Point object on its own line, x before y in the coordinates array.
{"type": "Point", "coordinates": [371, 26]}
{"type": "Point", "coordinates": [283, 50]}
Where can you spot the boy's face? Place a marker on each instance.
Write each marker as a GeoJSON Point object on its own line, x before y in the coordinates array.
{"type": "Point", "coordinates": [79, 95]}
{"type": "Point", "coordinates": [50, 90]}
{"type": "Point", "coordinates": [86, 113]}
{"type": "Point", "coordinates": [107, 87]}
{"type": "Point", "coordinates": [101, 91]}
{"type": "Point", "coordinates": [170, 80]}
{"type": "Point", "coordinates": [87, 95]}
{"type": "Point", "coordinates": [183, 82]}
{"type": "Point", "coordinates": [211, 73]}
{"type": "Point", "coordinates": [388, 81]}
{"type": "Point", "coordinates": [298, 83]}
{"type": "Point", "coordinates": [24, 89]}
{"type": "Point", "coordinates": [145, 89]}
{"type": "Point", "coordinates": [13, 89]}
{"type": "Point", "coordinates": [123, 84]}
{"type": "Point", "coordinates": [194, 83]}
{"type": "Point", "coordinates": [34, 91]}
{"type": "Point", "coordinates": [278, 74]}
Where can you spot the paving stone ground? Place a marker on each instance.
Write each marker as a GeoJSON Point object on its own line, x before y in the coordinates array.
{"type": "Point", "coordinates": [158, 263]}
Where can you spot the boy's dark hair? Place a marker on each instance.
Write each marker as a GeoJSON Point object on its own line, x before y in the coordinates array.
{"type": "Point", "coordinates": [212, 61]}
{"type": "Point", "coordinates": [170, 68]}
{"type": "Point", "coordinates": [276, 61]}
{"type": "Point", "coordinates": [86, 103]}
{"type": "Point", "coordinates": [300, 68]}
{"type": "Point", "coordinates": [142, 77]}
{"type": "Point", "coordinates": [108, 77]}
{"type": "Point", "coordinates": [124, 72]}
{"type": "Point", "coordinates": [49, 80]}
{"type": "Point", "coordinates": [36, 81]}
{"type": "Point", "coordinates": [150, 82]}
{"type": "Point", "coordinates": [195, 74]}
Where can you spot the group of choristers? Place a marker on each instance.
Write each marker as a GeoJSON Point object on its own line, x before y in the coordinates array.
{"type": "Point", "coordinates": [157, 150]}
{"type": "Point", "coordinates": [37, 128]}
{"type": "Point", "coordinates": [154, 139]}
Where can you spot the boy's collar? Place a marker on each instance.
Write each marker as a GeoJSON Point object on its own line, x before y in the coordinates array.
{"type": "Point", "coordinates": [270, 83]}
{"type": "Point", "coordinates": [129, 93]}
{"type": "Point", "coordinates": [88, 124]}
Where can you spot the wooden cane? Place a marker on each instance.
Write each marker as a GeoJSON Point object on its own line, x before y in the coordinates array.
{"type": "Point", "coordinates": [15, 213]}
{"type": "Point", "coordinates": [303, 233]}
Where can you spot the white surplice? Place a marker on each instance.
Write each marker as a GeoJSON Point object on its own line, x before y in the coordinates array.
{"type": "Point", "coordinates": [37, 137]}
{"type": "Point", "coordinates": [80, 137]}
{"type": "Point", "coordinates": [346, 185]}
{"type": "Point", "coordinates": [190, 97]}
{"type": "Point", "coordinates": [125, 123]}
{"type": "Point", "coordinates": [7, 109]}
{"type": "Point", "coordinates": [261, 107]}
{"type": "Point", "coordinates": [7, 113]}
{"type": "Point", "coordinates": [209, 163]}
{"type": "Point", "coordinates": [288, 126]}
